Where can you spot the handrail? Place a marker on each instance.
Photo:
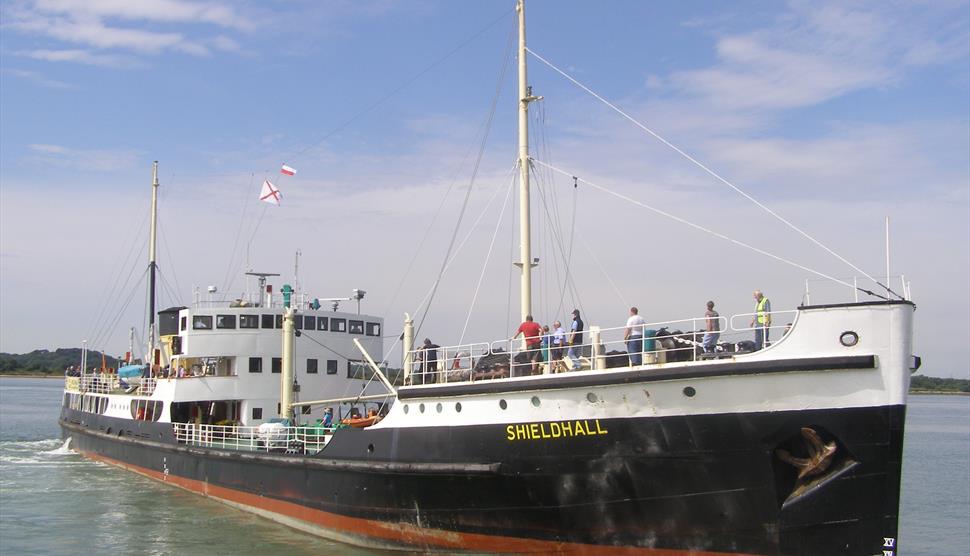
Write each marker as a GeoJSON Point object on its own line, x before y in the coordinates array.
{"type": "Point", "coordinates": [664, 342]}
{"type": "Point", "coordinates": [303, 440]}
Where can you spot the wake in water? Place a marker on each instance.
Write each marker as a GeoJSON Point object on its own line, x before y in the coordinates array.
{"type": "Point", "coordinates": [65, 449]}
{"type": "Point", "coordinates": [46, 452]}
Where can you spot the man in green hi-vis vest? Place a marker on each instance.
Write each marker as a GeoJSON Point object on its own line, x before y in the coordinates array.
{"type": "Point", "coordinates": [762, 320]}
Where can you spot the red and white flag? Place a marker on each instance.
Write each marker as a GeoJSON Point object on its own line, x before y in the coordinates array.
{"type": "Point", "coordinates": [287, 170]}
{"type": "Point", "coordinates": [270, 194]}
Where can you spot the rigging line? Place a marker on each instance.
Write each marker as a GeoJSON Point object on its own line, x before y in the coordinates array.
{"type": "Point", "coordinates": [698, 227]}
{"type": "Point", "coordinates": [129, 262]}
{"type": "Point", "coordinates": [103, 320]}
{"type": "Point", "coordinates": [468, 235]}
{"type": "Point", "coordinates": [110, 331]}
{"type": "Point", "coordinates": [508, 293]}
{"type": "Point", "coordinates": [239, 229]}
{"type": "Point", "coordinates": [444, 198]}
{"type": "Point", "coordinates": [163, 200]}
{"type": "Point", "coordinates": [599, 265]}
{"type": "Point", "coordinates": [471, 183]}
{"type": "Point", "coordinates": [488, 256]}
{"type": "Point", "coordinates": [406, 84]}
{"type": "Point", "coordinates": [558, 238]}
{"type": "Point", "coordinates": [710, 172]}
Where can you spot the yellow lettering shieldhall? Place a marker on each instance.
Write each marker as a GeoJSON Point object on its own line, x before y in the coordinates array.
{"type": "Point", "coordinates": [555, 429]}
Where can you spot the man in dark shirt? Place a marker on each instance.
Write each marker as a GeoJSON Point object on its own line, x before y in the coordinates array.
{"type": "Point", "coordinates": [575, 338]}
{"type": "Point", "coordinates": [429, 362]}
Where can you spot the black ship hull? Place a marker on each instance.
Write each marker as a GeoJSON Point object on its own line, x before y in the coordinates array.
{"type": "Point", "coordinates": [691, 484]}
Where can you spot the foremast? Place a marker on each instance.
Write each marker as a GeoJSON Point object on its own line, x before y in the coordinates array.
{"type": "Point", "coordinates": [152, 267]}
{"type": "Point", "coordinates": [525, 230]}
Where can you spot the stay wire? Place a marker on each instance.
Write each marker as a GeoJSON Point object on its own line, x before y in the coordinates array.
{"type": "Point", "coordinates": [471, 183]}
{"type": "Point", "coordinates": [441, 204]}
{"type": "Point", "coordinates": [488, 256]}
{"type": "Point", "coordinates": [699, 227]}
{"type": "Point", "coordinates": [710, 172]}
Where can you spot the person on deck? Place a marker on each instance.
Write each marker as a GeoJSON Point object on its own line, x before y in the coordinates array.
{"type": "Point", "coordinates": [532, 332]}
{"type": "Point", "coordinates": [762, 320]}
{"type": "Point", "coordinates": [712, 329]}
{"type": "Point", "coordinates": [429, 367]}
{"type": "Point", "coordinates": [558, 340]}
{"type": "Point", "coordinates": [575, 338]}
{"type": "Point", "coordinates": [328, 417]}
{"type": "Point", "coordinates": [633, 334]}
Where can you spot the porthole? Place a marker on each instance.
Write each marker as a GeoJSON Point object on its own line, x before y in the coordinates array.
{"type": "Point", "coordinates": [535, 401]}
{"type": "Point", "coordinates": [593, 398]}
{"type": "Point", "coordinates": [421, 408]}
{"type": "Point", "coordinates": [503, 404]}
{"type": "Point", "coordinates": [849, 338]}
{"type": "Point", "coordinates": [406, 409]}
{"type": "Point", "coordinates": [689, 391]}
{"type": "Point", "coordinates": [458, 407]}
{"type": "Point", "coordinates": [439, 407]}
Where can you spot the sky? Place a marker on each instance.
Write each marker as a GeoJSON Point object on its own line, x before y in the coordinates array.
{"type": "Point", "coordinates": [400, 118]}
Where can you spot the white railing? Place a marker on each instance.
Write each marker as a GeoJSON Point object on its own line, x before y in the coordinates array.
{"type": "Point", "coordinates": [101, 383]}
{"type": "Point", "coordinates": [301, 440]}
{"type": "Point", "coordinates": [662, 342]}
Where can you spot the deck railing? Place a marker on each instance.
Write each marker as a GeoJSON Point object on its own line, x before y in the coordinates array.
{"type": "Point", "coordinates": [298, 440]}
{"type": "Point", "coordinates": [662, 342]}
{"type": "Point", "coordinates": [109, 384]}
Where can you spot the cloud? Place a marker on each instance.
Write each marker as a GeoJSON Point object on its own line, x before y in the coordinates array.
{"type": "Point", "coordinates": [81, 57]}
{"type": "Point", "coordinates": [141, 28]}
{"type": "Point", "coordinates": [817, 52]}
{"type": "Point", "coordinates": [96, 160]}
{"type": "Point", "coordinates": [41, 79]}
{"type": "Point", "coordinates": [149, 10]}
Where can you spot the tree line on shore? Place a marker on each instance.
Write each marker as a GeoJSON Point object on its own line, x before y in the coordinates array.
{"type": "Point", "coordinates": [43, 362]}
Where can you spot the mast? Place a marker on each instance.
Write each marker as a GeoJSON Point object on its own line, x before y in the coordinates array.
{"type": "Point", "coordinates": [152, 266]}
{"type": "Point", "coordinates": [525, 231]}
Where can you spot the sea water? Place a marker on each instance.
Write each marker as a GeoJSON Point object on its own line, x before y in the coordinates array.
{"type": "Point", "coordinates": [55, 502]}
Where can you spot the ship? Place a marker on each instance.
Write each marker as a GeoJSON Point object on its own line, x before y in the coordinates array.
{"type": "Point", "coordinates": [627, 446]}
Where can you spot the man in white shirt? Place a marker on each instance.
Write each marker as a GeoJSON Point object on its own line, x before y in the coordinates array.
{"type": "Point", "coordinates": [633, 334]}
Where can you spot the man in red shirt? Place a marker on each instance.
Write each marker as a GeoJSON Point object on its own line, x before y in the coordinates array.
{"type": "Point", "coordinates": [532, 333]}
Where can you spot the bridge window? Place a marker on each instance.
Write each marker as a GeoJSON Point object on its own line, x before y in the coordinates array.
{"type": "Point", "coordinates": [276, 365]}
{"type": "Point", "coordinates": [182, 323]}
{"type": "Point", "coordinates": [356, 327]}
{"type": "Point", "coordinates": [309, 323]}
{"type": "Point", "coordinates": [331, 366]}
{"type": "Point", "coordinates": [255, 364]}
{"type": "Point", "coordinates": [338, 325]}
{"type": "Point", "coordinates": [305, 409]}
{"type": "Point", "coordinates": [373, 329]}
{"type": "Point", "coordinates": [279, 321]}
{"type": "Point", "coordinates": [257, 413]}
{"type": "Point", "coordinates": [248, 321]}
{"type": "Point", "coordinates": [356, 369]}
{"type": "Point", "coordinates": [311, 366]}
{"type": "Point", "coordinates": [226, 321]}
{"type": "Point", "coordinates": [322, 323]}
{"type": "Point", "coordinates": [298, 322]}
{"type": "Point", "coordinates": [202, 322]}
{"type": "Point", "coordinates": [266, 321]}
